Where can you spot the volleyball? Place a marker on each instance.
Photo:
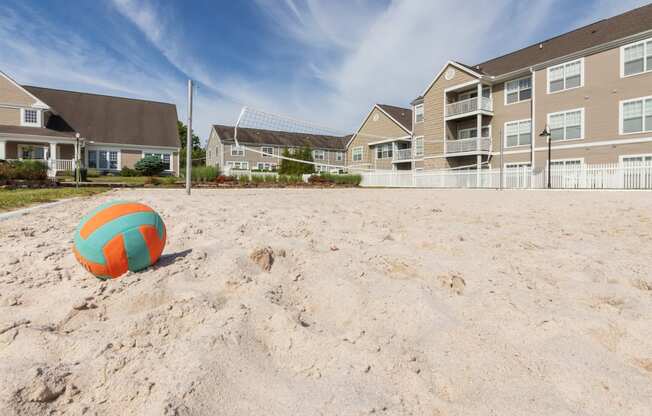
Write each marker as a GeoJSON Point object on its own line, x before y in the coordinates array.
{"type": "Point", "coordinates": [119, 236]}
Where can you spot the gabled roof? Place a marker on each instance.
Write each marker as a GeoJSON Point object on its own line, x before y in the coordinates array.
{"type": "Point", "coordinates": [108, 119]}
{"type": "Point", "coordinates": [259, 137]}
{"type": "Point", "coordinates": [603, 31]}
{"type": "Point", "coordinates": [38, 103]}
{"type": "Point", "coordinates": [403, 116]}
{"type": "Point", "coordinates": [471, 71]}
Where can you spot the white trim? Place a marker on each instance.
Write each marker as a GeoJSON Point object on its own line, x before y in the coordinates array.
{"type": "Point", "coordinates": [393, 119]}
{"type": "Point", "coordinates": [556, 146]}
{"type": "Point", "coordinates": [93, 148]}
{"type": "Point", "coordinates": [367, 118]}
{"type": "Point", "coordinates": [238, 148]}
{"type": "Point", "coordinates": [391, 149]}
{"type": "Point", "coordinates": [423, 111]}
{"type": "Point", "coordinates": [550, 68]}
{"type": "Point", "coordinates": [456, 65]}
{"type": "Point", "coordinates": [533, 108]}
{"type": "Point", "coordinates": [323, 155]}
{"type": "Point", "coordinates": [361, 148]}
{"type": "Point", "coordinates": [35, 139]}
{"type": "Point", "coordinates": [39, 117]}
{"type": "Point", "coordinates": [621, 121]}
{"type": "Point", "coordinates": [520, 165]}
{"type": "Point", "coordinates": [504, 138]}
{"type": "Point", "coordinates": [397, 139]}
{"type": "Point", "coordinates": [38, 104]}
{"type": "Point", "coordinates": [622, 157]}
{"type": "Point", "coordinates": [462, 85]}
{"type": "Point", "coordinates": [505, 103]}
{"type": "Point", "coordinates": [423, 147]}
{"type": "Point", "coordinates": [45, 147]}
{"type": "Point", "coordinates": [569, 159]}
{"type": "Point", "coordinates": [582, 123]}
{"type": "Point", "coordinates": [161, 152]}
{"type": "Point", "coordinates": [475, 128]}
{"type": "Point", "coordinates": [267, 154]}
{"type": "Point", "coordinates": [622, 58]}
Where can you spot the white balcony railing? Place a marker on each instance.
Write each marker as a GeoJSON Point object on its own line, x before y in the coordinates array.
{"type": "Point", "coordinates": [64, 164]}
{"type": "Point", "coordinates": [469, 106]}
{"type": "Point", "coordinates": [403, 154]}
{"type": "Point", "coordinates": [472, 145]}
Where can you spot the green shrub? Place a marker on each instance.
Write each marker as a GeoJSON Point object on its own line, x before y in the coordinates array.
{"type": "Point", "coordinates": [204, 173]}
{"type": "Point", "coordinates": [24, 169]}
{"type": "Point", "coordinates": [128, 172]}
{"type": "Point", "coordinates": [290, 167]}
{"type": "Point", "coordinates": [337, 179]}
{"type": "Point", "coordinates": [289, 179]}
{"type": "Point", "coordinates": [150, 166]}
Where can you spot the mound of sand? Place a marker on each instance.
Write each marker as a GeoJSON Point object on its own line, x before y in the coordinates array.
{"type": "Point", "coordinates": [398, 302]}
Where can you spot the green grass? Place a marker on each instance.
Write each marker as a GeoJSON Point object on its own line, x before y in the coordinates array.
{"type": "Point", "coordinates": [17, 198]}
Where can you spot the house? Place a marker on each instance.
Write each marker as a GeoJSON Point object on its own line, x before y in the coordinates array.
{"type": "Point", "coordinates": [383, 141]}
{"type": "Point", "coordinates": [591, 88]}
{"type": "Point", "coordinates": [108, 133]}
{"type": "Point", "coordinates": [259, 149]}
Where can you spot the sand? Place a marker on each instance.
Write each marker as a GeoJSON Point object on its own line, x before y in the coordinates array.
{"type": "Point", "coordinates": [397, 302]}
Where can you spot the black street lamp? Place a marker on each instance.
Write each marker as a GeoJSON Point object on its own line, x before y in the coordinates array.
{"type": "Point", "coordinates": [546, 133]}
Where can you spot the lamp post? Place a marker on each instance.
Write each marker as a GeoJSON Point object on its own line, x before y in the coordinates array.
{"type": "Point", "coordinates": [77, 150]}
{"type": "Point", "coordinates": [546, 133]}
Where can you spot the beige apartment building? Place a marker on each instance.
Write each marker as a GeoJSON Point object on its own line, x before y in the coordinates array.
{"type": "Point", "coordinates": [591, 89]}
{"type": "Point", "coordinates": [383, 141]}
{"type": "Point", "coordinates": [259, 149]}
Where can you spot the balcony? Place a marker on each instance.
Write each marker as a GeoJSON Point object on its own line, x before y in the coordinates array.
{"type": "Point", "coordinates": [402, 155]}
{"type": "Point", "coordinates": [469, 106]}
{"type": "Point", "coordinates": [464, 147]}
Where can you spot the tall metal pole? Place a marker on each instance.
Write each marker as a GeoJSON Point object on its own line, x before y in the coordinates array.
{"type": "Point", "coordinates": [549, 156]}
{"type": "Point", "coordinates": [501, 160]}
{"type": "Point", "coordinates": [189, 139]}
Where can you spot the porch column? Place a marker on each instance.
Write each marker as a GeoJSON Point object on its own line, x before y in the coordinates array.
{"type": "Point", "coordinates": [3, 146]}
{"type": "Point", "coordinates": [53, 158]}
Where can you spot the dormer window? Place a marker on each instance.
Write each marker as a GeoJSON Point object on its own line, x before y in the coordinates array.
{"type": "Point", "coordinates": [31, 118]}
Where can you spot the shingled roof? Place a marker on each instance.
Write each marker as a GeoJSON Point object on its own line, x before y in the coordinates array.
{"type": "Point", "coordinates": [108, 119]}
{"type": "Point", "coordinates": [603, 31]}
{"type": "Point", "coordinates": [402, 115]}
{"type": "Point", "coordinates": [260, 137]}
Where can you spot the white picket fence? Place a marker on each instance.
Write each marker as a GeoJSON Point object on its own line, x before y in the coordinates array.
{"type": "Point", "coordinates": [599, 176]}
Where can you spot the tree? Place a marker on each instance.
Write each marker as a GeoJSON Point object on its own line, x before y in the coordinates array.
{"type": "Point", "coordinates": [150, 166]}
{"type": "Point", "coordinates": [198, 152]}
{"type": "Point", "coordinates": [291, 167]}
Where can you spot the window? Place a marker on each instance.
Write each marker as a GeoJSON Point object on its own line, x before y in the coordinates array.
{"type": "Point", "coordinates": [636, 116]}
{"type": "Point", "coordinates": [418, 146]}
{"type": "Point", "coordinates": [565, 76]}
{"type": "Point", "coordinates": [418, 113]}
{"type": "Point", "coordinates": [518, 90]}
{"type": "Point", "coordinates": [238, 165]}
{"type": "Point", "coordinates": [30, 117]}
{"type": "Point", "coordinates": [384, 151]}
{"type": "Point", "coordinates": [518, 133]}
{"type": "Point", "coordinates": [266, 166]}
{"type": "Point", "coordinates": [321, 168]}
{"type": "Point", "coordinates": [356, 154]}
{"type": "Point", "coordinates": [519, 165]}
{"type": "Point", "coordinates": [29, 152]}
{"type": "Point", "coordinates": [636, 58]}
{"type": "Point", "coordinates": [569, 163]}
{"type": "Point", "coordinates": [472, 133]}
{"type": "Point", "coordinates": [166, 158]}
{"type": "Point", "coordinates": [103, 159]}
{"type": "Point", "coordinates": [237, 150]}
{"type": "Point", "coordinates": [568, 125]}
{"type": "Point", "coordinates": [267, 151]}
{"type": "Point", "coordinates": [339, 156]}
{"type": "Point", "coordinates": [637, 160]}
{"type": "Point", "coordinates": [319, 155]}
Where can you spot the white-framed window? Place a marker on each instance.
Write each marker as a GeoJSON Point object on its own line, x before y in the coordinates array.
{"type": "Point", "coordinates": [357, 153]}
{"type": "Point", "coordinates": [566, 76]}
{"type": "Point", "coordinates": [636, 160]}
{"type": "Point", "coordinates": [566, 125]}
{"type": "Point", "coordinates": [166, 158]}
{"type": "Point", "coordinates": [236, 164]}
{"type": "Point", "coordinates": [267, 151]}
{"type": "Point", "coordinates": [32, 152]}
{"type": "Point", "coordinates": [237, 150]}
{"type": "Point", "coordinates": [321, 168]}
{"type": "Point", "coordinates": [319, 154]}
{"type": "Point", "coordinates": [418, 113]}
{"type": "Point", "coordinates": [103, 159]}
{"type": "Point", "coordinates": [636, 115]}
{"type": "Point", "coordinates": [566, 163]}
{"type": "Point", "coordinates": [472, 132]}
{"type": "Point", "coordinates": [518, 165]}
{"type": "Point", "coordinates": [636, 58]}
{"type": "Point", "coordinates": [518, 133]}
{"type": "Point", "coordinates": [30, 117]}
{"type": "Point", "coordinates": [518, 90]}
{"type": "Point", "coordinates": [467, 95]}
{"type": "Point", "coordinates": [339, 156]}
{"type": "Point", "coordinates": [384, 151]}
{"type": "Point", "coordinates": [418, 146]}
{"type": "Point", "coordinates": [266, 166]}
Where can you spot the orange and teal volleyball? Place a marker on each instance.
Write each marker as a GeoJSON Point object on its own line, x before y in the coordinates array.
{"type": "Point", "coordinates": [119, 236]}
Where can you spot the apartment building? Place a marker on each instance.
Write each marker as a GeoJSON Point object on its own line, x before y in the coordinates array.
{"type": "Point", "coordinates": [590, 88]}
{"type": "Point", "coordinates": [259, 149]}
{"type": "Point", "coordinates": [383, 141]}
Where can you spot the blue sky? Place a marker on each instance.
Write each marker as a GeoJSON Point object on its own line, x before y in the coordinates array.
{"type": "Point", "coordinates": [325, 61]}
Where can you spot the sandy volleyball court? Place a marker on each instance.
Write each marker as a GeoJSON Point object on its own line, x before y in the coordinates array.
{"type": "Point", "coordinates": [398, 302]}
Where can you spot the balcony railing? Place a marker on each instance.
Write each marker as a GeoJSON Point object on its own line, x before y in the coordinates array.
{"type": "Point", "coordinates": [403, 154]}
{"type": "Point", "coordinates": [469, 106]}
{"type": "Point", "coordinates": [468, 146]}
